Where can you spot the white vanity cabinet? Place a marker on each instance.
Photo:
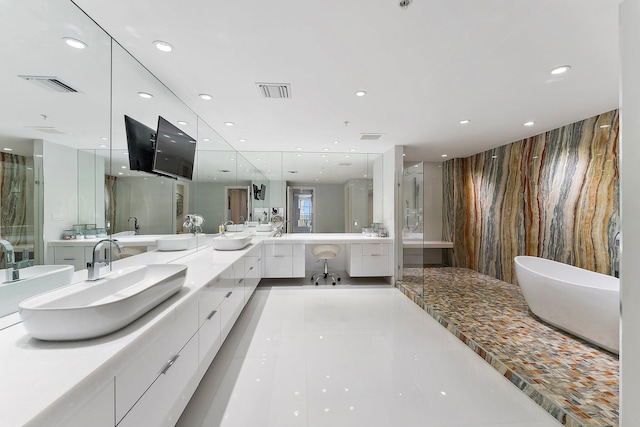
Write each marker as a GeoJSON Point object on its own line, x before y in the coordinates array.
{"type": "Point", "coordinates": [166, 368]}
{"type": "Point", "coordinates": [252, 273]}
{"type": "Point", "coordinates": [210, 297]}
{"type": "Point", "coordinates": [78, 256]}
{"type": "Point", "coordinates": [283, 260]}
{"type": "Point", "coordinates": [97, 412]}
{"type": "Point", "coordinates": [370, 259]}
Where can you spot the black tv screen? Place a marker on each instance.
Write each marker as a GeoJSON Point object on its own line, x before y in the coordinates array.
{"type": "Point", "coordinates": [175, 151]}
{"type": "Point", "coordinates": [141, 141]}
{"type": "Point", "coordinates": [263, 191]}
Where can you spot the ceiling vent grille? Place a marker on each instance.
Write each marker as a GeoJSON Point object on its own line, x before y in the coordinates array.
{"type": "Point", "coordinates": [344, 164]}
{"type": "Point", "coordinates": [53, 84]}
{"type": "Point", "coordinates": [370, 136]}
{"type": "Point", "coordinates": [274, 90]}
{"type": "Point", "coordinates": [47, 129]}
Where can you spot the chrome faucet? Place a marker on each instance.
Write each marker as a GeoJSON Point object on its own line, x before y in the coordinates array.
{"type": "Point", "coordinates": [136, 227]}
{"type": "Point", "coordinates": [11, 274]}
{"type": "Point", "coordinates": [227, 222]}
{"type": "Point", "coordinates": [97, 262]}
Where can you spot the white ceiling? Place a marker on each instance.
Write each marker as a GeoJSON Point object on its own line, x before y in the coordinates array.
{"type": "Point", "coordinates": [424, 68]}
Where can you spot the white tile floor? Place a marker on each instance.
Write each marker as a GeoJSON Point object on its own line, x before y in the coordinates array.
{"type": "Point", "coordinates": [350, 356]}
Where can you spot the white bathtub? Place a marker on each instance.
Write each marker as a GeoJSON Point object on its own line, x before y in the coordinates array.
{"type": "Point", "coordinates": [582, 302]}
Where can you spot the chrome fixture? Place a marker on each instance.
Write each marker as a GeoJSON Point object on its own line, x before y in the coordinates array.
{"type": "Point", "coordinates": [93, 267]}
{"type": "Point", "coordinates": [136, 227]}
{"type": "Point", "coordinates": [10, 273]}
{"type": "Point", "coordinates": [227, 222]}
{"type": "Point", "coordinates": [193, 222]}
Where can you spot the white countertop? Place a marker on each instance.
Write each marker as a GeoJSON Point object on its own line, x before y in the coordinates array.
{"type": "Point", "coordinates": [36, 374]}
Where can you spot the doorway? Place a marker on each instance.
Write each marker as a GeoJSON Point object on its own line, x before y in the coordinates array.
{"type": "Point", "coordinates": [238, 199]}
{"type": "Point", "coordinates": [301, 209]}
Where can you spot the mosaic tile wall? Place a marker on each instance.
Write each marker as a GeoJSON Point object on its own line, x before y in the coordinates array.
{"type": "Point", "coordinates": [573, 380]}
{"type": "Point", "coordinates": [554, 195]}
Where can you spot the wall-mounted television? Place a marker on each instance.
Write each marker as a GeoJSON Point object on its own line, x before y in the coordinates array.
{"type": "Point", "coordinates": [259, 193]}
{"type": "Point", "coordinates": [141, 142]}
{"type": "Point", "coordinates": [174, 152]}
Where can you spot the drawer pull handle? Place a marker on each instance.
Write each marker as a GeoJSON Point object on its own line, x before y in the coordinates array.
{"type": "Point", "coordinates": [169, 364]}
{"type": "Point", "coordinates": [228, 294]}
{"type": "Point", "coordinates": [240, 281]}
{"type": "Point", "coordinates": [251, 269]}
{"type": "Point", "coordinates": [211, 314]}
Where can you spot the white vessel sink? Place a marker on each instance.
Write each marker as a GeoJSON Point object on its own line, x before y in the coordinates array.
{"type": "Point", "coordinates": [264, 227]}
{"type": "Point", "coordinates": [178, 242]}
{"type": "Point", "coordinates": [235, 227]}
{"type": "Point", "coordinates": [33, 280]}
{"type": "Point", "coordinates": [231, 242]}
{"type": "Point", "coordinates": [91, 309]}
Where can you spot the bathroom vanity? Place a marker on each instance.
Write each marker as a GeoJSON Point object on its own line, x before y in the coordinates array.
{"type": "Point", "coordinates": [145, 373]}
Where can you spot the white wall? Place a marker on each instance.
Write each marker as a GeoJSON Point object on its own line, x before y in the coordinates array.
{"type": "Point", "coordinates": [630, 211]}
{"type": "Point", "coordinates": [91, 171]}
{"type": "Point", "coordinates": [151, 200]}
{"type": "Point", "coordinates": [378, 179]}
{"type": "Point", "coordinates": [60, 182]}
{"type": "Point", "coordinates": [392, 173]}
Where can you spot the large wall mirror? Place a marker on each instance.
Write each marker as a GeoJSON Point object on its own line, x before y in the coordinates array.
{"type": "Point", "coordinates": [65, 164]}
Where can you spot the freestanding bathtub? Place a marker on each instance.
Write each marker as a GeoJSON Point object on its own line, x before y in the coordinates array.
{"type": "Point", "coordinates": [581, 302]}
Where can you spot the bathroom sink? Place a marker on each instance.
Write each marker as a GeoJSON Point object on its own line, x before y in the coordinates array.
{"type": "Point", "coordinates": [178, 242]}
{"type": "Point", "coordinates": [235, 227]}
{"type": "Point", "coordinates": [33, 280]}
{"type": "Point", "coordinates": [231, 242]}
{"type": "Point", "coordinates": [264, 227]}
{"type": "Point", "coordinates": [91, 309]}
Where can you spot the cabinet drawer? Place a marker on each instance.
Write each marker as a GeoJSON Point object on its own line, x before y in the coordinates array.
{"type": "Point", "coordinates": [209, 341]}
{"type": "Point", "coordinates": [375, 266]}
{"type": "Point", "coordinates": [271, 250]}
{"type": "Point", "coordinates": [163, 402]}
{"type": "Point", "coordinates": [375, 249]}
{"type": "Point", "coordinates": [69, 253]}
{"type": "Point", "coordinates": [148, 363]}
{"type": "Point", "coordinates": [278, 267]}
{"type": "Point", "coordinates": [210, 297]}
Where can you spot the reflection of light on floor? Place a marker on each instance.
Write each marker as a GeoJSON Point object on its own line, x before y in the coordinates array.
{"type": "Point", "coordinates": [493, 315]}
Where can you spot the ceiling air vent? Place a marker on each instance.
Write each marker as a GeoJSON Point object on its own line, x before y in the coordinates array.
{"type": "Point", "coordinates": [370, 136]}
{"type": "Point", "coordinates": [53, 84]}
{"type": "Point", "coordinates": [274, 90]}
{"type": "Point", "coordinates": [344, 164]}
{"type": "Point", "coordinates": [47, 129]}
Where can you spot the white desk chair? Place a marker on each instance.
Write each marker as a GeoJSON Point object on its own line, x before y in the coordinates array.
{"type": "Point", "coordinates": [325, 253]}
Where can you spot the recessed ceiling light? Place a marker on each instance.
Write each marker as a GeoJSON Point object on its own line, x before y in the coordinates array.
{"type": "Point", "coordinates": [347, 156]}
{"type": "Point", "coordinates": [298, 148]}
{"type": "Point", "coordinates": [465, 121]}
{"type": "Point", "coordinates": [233, 159]}
{"type": "Point", "coordinates": [8, 149]}
{"type": "Point", "coordinates": [443, 155]}
{"type": "Point", "coordinates": [352, 150]}
{"type": "Point", "coordinates": [120, 173]}
{"type": "Point", "coordinates": [103, 146]}
{"type": "Point", "coordinates": [74, 43]}
{"type": "Point", "coordinates": [404, 154]}
{"type": "Point", "coordinates": [229, 123]}
{"type": "Point", "coordinates": [206, 139]}
{"type": "Point", "coordinates": [145, 95]}
{"type": "Point", "coordinates": [325, 149]}
{"type": "Point", "coordinates": [529, 123]}
{"type": "Point", "coordinates": [104, 138]}
{"type": "Point", "coordinates": [182, 122]}
{"type": "Point", "coordinates": [123, 167]}
{"type": "Point", "coordinates": [604, 126]}
{"type": "Point", "coordinates": [298, 155]}
{"type": "Point", "coordinates": [494, 157]}
{"type": "Point", "coordinates": [242, 140]}
{"type": "Point", "coordinates": [561, 69]}
{"type": "Point", "coordinates": [206, 96]}
{"type": "Point", "coordinates": [336, 142]}
{"type": "Point", "coordinates": [323, 155]}
{"type": "Point", "coordinates": [361, 93]}
{"type": "Point", "coordinates": [162, 46]}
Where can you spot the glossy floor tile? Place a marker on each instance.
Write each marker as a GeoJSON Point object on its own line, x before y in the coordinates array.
{"type": "Point", "coordinates": [350, 356]}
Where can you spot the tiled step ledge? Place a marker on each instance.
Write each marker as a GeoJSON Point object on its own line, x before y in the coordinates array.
{"type": "Point", "coordinates": [547, 404]}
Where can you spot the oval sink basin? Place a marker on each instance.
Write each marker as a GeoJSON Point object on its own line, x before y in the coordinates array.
{"type": "Point", "coordinates": [179, 242]}
{"type": "Point", "coordinates": [231, 242]}
{"type": "Point", "coordinates": [91, 309]}
{"type": "Point", "coordinates": [264, 227]}
{"type": "Point", "coordinates": [33, 281]}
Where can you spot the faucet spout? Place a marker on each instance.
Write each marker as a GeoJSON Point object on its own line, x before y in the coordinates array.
{"type": "Point", "coordinates": [93, 267]}
{"type": "Point", "coordinates": [136, 227]}
{"type": "Point", "coordinates": [10, 260]}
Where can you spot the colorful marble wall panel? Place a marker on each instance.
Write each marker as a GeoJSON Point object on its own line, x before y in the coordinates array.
{"type": "Point", "coordinates": [14, 223]}
{"type": "Point", "coordinates": [554, 195]}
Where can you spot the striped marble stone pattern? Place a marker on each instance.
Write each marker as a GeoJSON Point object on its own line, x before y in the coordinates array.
{"type": "Point", "coordinates": [14, 195]}
{"type": "Point", "coordinates": [553, 195]}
